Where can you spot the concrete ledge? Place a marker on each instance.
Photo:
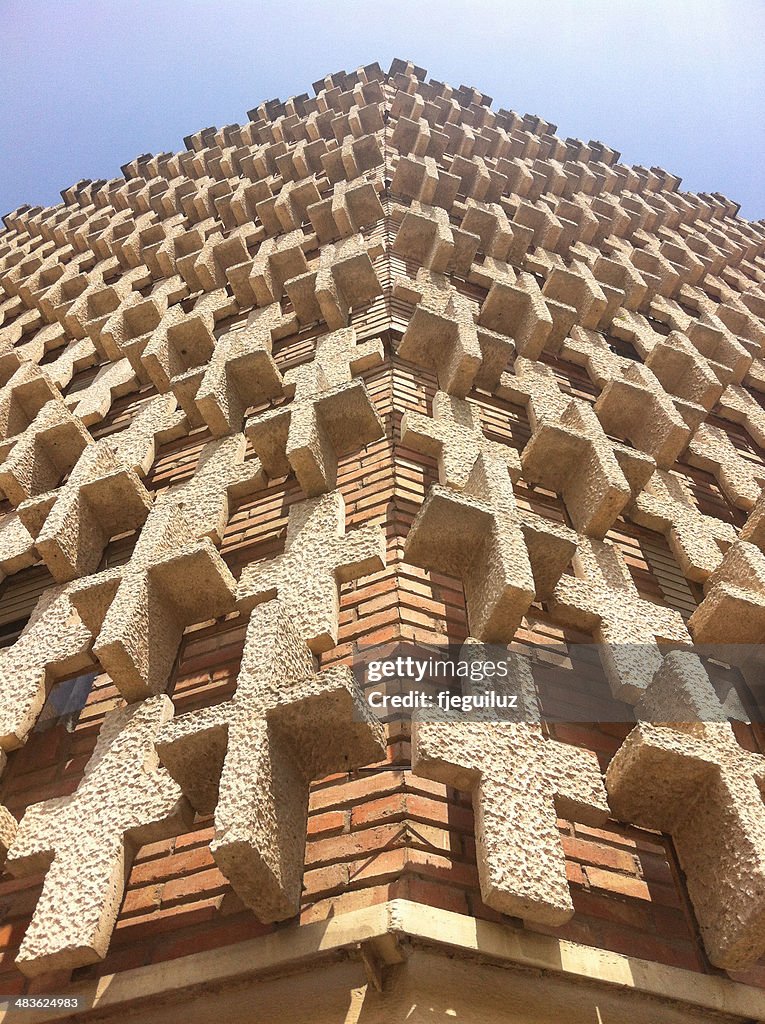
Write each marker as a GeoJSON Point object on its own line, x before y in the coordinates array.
{"type": "Point", "coordinates": [380, 928]}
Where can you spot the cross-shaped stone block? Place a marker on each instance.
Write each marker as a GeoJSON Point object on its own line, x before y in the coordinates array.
{"type": "Point", "coordinates": [678, 365]}
{"type": "Point", "coordinates": [54, 643]}
{"type": "Point", "coordinates": [276, 261]}
{"type": "Point", "coordinates": [242, 371]}
{"type": "Point", "coordinates": [520, 782]}
{"type": "Point", "coordinates": [572, 296]}
{"type": "Point", "coordinates": [45, 453]}
{"type": "Point", "coordinates": [489, 221]}
{"type": "Point", "coordinates": [697, 541]}
{"type": "Point", "coordinates": [318, 557]}
{"type": "Point", "coordinates": [443, 335]}
{"type": "Point", "coordinates": [569, 452]}
{"type": "Point", "coordinates": [91, 310]}
{"type": "Point", "coordinates": [740, 406]}
{"type": "Point", "coordinates": [112, 381]}
{"type": "Point", "coordinates": [252, 758]}
{"type": "Point", "coordinates": [130, 328]}
{"type": "Point", "coordinates": [85, 843]}
{"type": "Point", "coordinates": [427, 238]}
{"type": "Point", "coordinates": [726, 356]}
{"type": "Point", "coordinates": [175, 576]}
{"type": "Point", "coordinates": [601, 597]}
{"type": "Point", "coordinates": [180, 349]}
{"type": "Point", "coordinates": [733, 609]}
{"type": "Point", "coordinates": [455, 436]}
{"type": "Point", "coordinates": [741, 480]}
{"type": "Point", "coordinates": [682, 771]}
{"type": "Point", "coordinates": [157, 421]}
{"type": "Point", "coordinates": [343, 279]}
{"type": "Point", "coordinates": [352, 206]}
{"type": "Point", "coordinates": [519, 311]}
{"type": "Point", "coordinates": [504, 558]}
{"type": "Point", "coordinates": [632, 404]}
{"type": "Point", "coordinates": [21, 399]}
{"type": "Point", "coordinates": [329, 416]}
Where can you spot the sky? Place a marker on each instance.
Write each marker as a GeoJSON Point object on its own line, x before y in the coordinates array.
{"type": "Point", "coordinates": [87, 86]}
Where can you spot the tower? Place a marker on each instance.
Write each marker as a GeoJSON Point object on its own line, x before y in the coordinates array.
{"type": "Point", "coordinates": [383, 369]}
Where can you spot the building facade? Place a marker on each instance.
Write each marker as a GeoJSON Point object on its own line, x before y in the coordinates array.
{"type": "Point", "coordinates": [383, 369]}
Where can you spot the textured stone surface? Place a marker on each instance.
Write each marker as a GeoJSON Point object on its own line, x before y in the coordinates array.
{"type": "Point", "coordinates": [740, 479]}
{"type": "Point", "coordinates": [251, 758]}
{"type": "Point", "coordinates": [443, 335]}
{"type": "Point", "coordinates": [682, 771]}
{"type": "Point", "coordinates": [520, 782]}
{"type": "Point", "coordinates": [733, 609]}
{"type": "Point", "coordinates": [504, 558]}
{"type": "Point", "coordinates": [569, 452]}
{"type": "Point", "coordinates": [175, 576]}
{"type": "Point", "coordinates": [242, 371]}
{"type": "Point", "coordinates": [84, 843]}
{"type": "Point", "coordinates": [177, 354]}
{"type": "Point", "coordinates": [54, 643]}
{"type": "Point", "coordinates": [454, 435]}
{"type": "Point", "coordinates": [44, 453]}
{"type": "Point", "coordinates": [632, 405]}
{"type": "Point", "coordinates": [16, 546]}
{"type": "Point", "coordinates": [344, 279]}
{"type": "Point", "coordinates": [318, 557]}
{"type": "Point", "coordinates": [112, 381]}
{"type": "Point", "coordinates": [697, 541]}
{"type": "Point", "coordinates": [601, 597]}
{"type": "Point", "coordinates": [330, 414]}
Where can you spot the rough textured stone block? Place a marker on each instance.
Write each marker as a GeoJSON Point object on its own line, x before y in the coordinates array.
{"type": "Point", "coordinates": [697, 541]}
{"type": "Point", "coordinates": [329, 415]}
{"type": "Point", "coordinates": [504, 558]}
{"type": "Point", "coordinates": [175, 576]}
{"type": "Point", "coordinates": [84, 843]}
{"type": "Point", "coordinates": [602, 598]}
{"type": "Point", "coordinates": [681, 771]}
{"type": "Point", "coordinates": [733, 609]}
{"type": "Point", "coordinates": [251, 758]}
{"type": "Point", "coordinates": [520, 783]}
{"type": "Point", "coordinates": [569, 452]}
{"type": "Point", "coordinates": [318, 557]}
{"type": "Point", "coordinates": [242, 371]}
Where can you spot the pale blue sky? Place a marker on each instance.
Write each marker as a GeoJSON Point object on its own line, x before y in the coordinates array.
{"type": "Point", "coordinates": [86, 86]}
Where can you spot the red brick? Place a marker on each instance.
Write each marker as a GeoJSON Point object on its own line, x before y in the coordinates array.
{"type": "Point", "coordinates": [189, 887]}
{"type": "Point", "coordinates": [622, 885]}
{"type": "Point", "coordinates": [594, 853]}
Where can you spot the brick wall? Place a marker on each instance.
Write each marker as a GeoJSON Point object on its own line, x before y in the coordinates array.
{"type": "Point", "coordinates": [380, 833]}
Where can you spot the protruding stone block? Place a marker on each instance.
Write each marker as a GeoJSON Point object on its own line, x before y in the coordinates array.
{"type": "Point", "coordinates": [504, 558]}
{"type": "Point", "coordinates": [520, 782]}
{"type": "Point", "coordinates": [682, 772]}
{"type": "Point", "coordinates": [84, 844]}
{"type": "Point", "coordinates": [242, 371]}
{"type": "Point", "coordinates": [318, 557]}
{"type": "Point", "coordinates": [519, 311]}
{"type": "Point", "coordinates": [733, 609]}
{"type": "Point", "coordinates": [344, 279]}
{"type": "Point", "coordinates": [251, 759]}
{"type": "Point", "coordinates": [569, 452]}
{"type": "Point", "coordinates": [330, 414]}
{"type": "Point", "coordinates": [175, 576]}
{"type": "Point", "coordinates": [601, 597]}
{"type": "Point", "coordinates": [697, 541]}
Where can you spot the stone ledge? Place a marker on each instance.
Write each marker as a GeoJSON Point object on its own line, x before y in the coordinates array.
{"type": "Point", "coordinates": [379, 929]}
